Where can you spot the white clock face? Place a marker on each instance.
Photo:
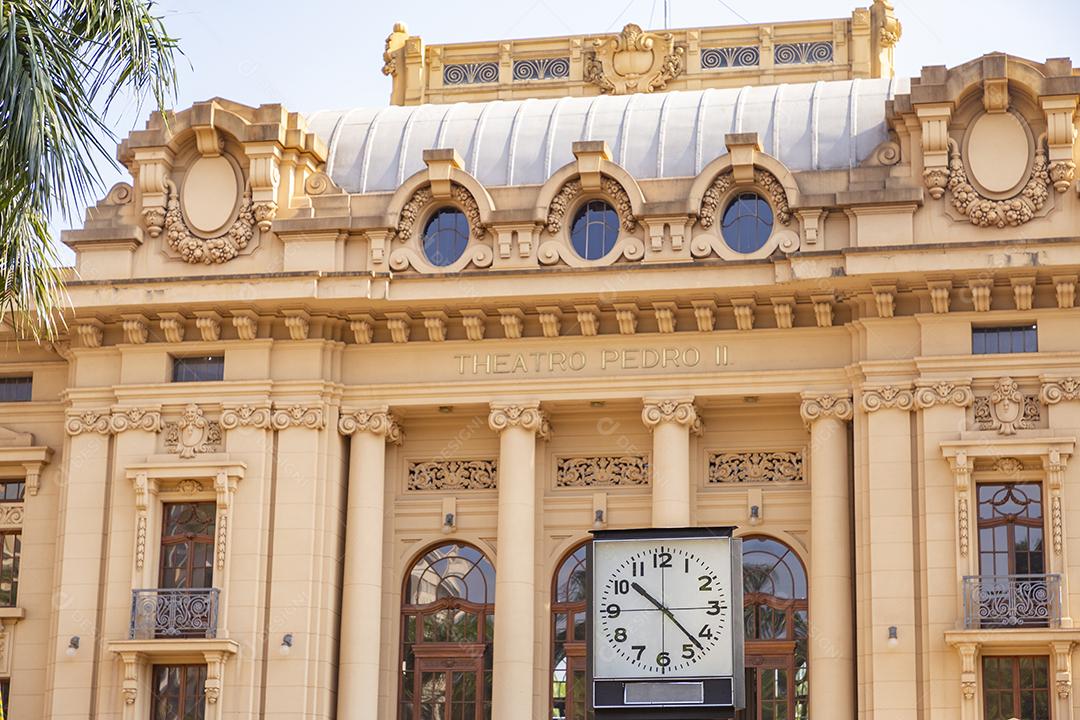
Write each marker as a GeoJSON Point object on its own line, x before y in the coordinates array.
{"type": "Point", "coordinates": [662, 608]}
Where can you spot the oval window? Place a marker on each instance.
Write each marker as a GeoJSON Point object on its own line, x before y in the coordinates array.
{"type": "Point", "coordinates": [445, 236]}
{"type": "Point", "coordinates": [748, 223]}
{"type": "Point", "coordinates": [595, 229]}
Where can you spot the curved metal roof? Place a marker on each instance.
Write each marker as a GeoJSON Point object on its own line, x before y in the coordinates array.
{"type": "Point", "coordinates": [811, 126]}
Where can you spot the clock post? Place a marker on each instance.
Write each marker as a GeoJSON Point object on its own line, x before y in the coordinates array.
{"type": "Point", "coordinates": [665, 624]}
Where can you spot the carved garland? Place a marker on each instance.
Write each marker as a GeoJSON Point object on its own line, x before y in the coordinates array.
{"type": "Point", "coordinates": [982, 211]}
{"type": "Point", "coordinates": [208, 251]}
{"type": "Point", "coordinates": [423, 197]}
{"type": "Point", "coordinates": [763, 179]}
{"type": "Point", "coordinates": [572, 189]}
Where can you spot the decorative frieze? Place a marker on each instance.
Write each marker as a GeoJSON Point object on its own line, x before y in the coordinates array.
{"type": "Point", "coordinates": [474, 474]}
{"type": "Point", "coordinates": [470, 73]}
{"type": "Point", "coordinates": [115, 420]}
{"type": "Point", "coordinates": [1055, 390]}
{"type": "Point", "coordinates": [193, 433]}
{"type": "Point", "coordinates": [803, 53]}
{"type": "Point", "coordinates": [602, 471]}
{"type": "Point", "coordinates": [527, 416]}
{"type": "Point", "coordinates": [1006, 409]}
{"type": "Point", "coordinates": [297, 416]}
{"type": "Point", "coordinates": [887, 396]}
{"type": "Point", "coordinates": [547, 68]}
{"type": "Point", "coordinates": [944, 392]}
{"type": "Point", "coordinates": [254, 416]}
{"type": "Point", "coordinates": [817, 406]}
{"type": "Point", "coordinates": [755, 467]}
{"type": "Point", "coordinates": [11, 515]}
{"type": "Point", "coordinates": [378, 421]}
{"type": "Point", "coordinates": [729, 57]}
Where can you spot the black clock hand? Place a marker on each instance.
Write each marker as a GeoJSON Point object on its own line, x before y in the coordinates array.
{"type": "Point", "coordinates": [659, 606]}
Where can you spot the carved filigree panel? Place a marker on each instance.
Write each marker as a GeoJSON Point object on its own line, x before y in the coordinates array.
{"type": "Point", "coordinates": [11, 515]}
{"type": "Point", "coordinates": [1006, 409]}
{"type": "Point", "coordinates": [755, 467]}
{"type": "Point", "coordinates": [471, 474]}
{"type": "Point", "coordinates": [601, 471]}
{"type": "Point", "coordinates": [726, 57]}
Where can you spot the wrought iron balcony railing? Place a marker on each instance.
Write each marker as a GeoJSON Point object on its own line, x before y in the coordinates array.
{"type": "Point", "coordinates": [1011, 601]}
{"type": "Point", "coordinates": [174, 613]}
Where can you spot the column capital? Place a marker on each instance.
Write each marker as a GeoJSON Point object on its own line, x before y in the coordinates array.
{"type": "Point", "coordinates": [943, 392]}
{"type": "Point", "coordinates": [376, 420]}
{"type": "Point", "coordinates": [526, 415]}
{"type": "Point", "coordinates": [821, 405]}
{"type": "Point", "coordinates": [878, 397]}
{"type": "Point", "coordinates": [672, 410]}
{"type": "Point", "coordinates": [1055, 390]}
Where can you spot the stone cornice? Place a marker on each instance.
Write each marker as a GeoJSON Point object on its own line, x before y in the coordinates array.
{"type": "Point", "coordinates": [527, 415]}
{"type": "Point", "coordinates": [672, 410]}
{"type": "Point", "coordinates": [816, 406]}
{"type": "Point", "coordinates": [377, 421]}
{"type": "Point", "coordinates": [944, 392]}
{"type": "Point", "coordinates": [875, 398]}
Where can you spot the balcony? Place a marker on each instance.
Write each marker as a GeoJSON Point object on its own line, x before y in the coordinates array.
{"type": "Point", "coordinates": [174, 613]}
{"type": "Point", "coordinates": [1012, 601]}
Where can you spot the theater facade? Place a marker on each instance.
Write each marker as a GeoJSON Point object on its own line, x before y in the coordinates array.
{"type": "Point", "coordinates": [342, 395]}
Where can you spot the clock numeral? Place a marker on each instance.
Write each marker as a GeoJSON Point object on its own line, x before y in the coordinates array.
{"type": "Point", "coordinates": [686, 565]}
{"type": "Point", "coordinates": [706, 583]}
{"type": "Point", "coordinates": [661, 559]}
{"type": "Point", "coordinates": [714, 607]}
{"type": "Point", "coordinates": [687, 651]}
{"type": "Point", "coordinates": [640, 651]}
{"type": "Point", "coordinates": [620, 634]}
{"type": "Point", "coordinates": [706, 632]}
{"type": "Point", "coordinates": [622, 587]}
{"type": "Point", "coordinates": [663, 659]}
{"type": "Point", "coordinates": [614, 610]}
{"type": "Point", "coordinates": [637, 568]}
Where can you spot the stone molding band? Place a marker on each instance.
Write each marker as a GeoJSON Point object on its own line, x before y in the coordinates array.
{"type": "Point", "coordinates": [528, 416]}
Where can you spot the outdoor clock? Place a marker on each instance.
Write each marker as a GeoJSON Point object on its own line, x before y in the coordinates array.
{"type": "Point", "coordinates": [666, 622]}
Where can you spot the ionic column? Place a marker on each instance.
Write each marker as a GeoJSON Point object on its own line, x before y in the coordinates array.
{"type": "Point", "coordinates": [671, 422]}
{"type": "Point", "coordinates": [832, 664]}
{"type": "Point", "coordinates": [361, 592]}
{"type": "Point", "coordinates": [518, 426]}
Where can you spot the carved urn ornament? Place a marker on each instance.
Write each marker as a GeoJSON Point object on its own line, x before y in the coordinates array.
{"type": "Point", "coordinates": [634, 61]}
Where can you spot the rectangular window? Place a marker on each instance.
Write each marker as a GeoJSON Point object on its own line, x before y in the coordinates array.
{"type": "Point", "coordinates": [178, 692]}
{"type": "Point", "coordinates": [199, 369]}
{"type": "Point", "coordinates": [12, 490]}
{"type": "Point", "coordinates": [1016, 687]}
{"type": "Point", "coordinates": [1012, 339]}
{"type": "Point", "coordinates": [10, 550]}
{"type": "Point", "coordinates": [16, 389]}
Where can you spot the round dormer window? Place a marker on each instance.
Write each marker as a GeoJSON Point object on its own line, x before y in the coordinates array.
{"type": "Point", "coordinates": [747, 223]}
{"type": "Point", "coordinates": [445, 236]}
{"type": "Point", "coordinates": [595, 230]}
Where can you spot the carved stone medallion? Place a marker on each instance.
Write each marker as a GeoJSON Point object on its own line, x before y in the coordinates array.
{"type": "Point", "coordinates": [634, 61]}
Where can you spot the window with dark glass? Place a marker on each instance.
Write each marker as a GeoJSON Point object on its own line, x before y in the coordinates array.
{"type": "Point", "coordinates": [1013, 339]}
{"type": "Point", "coordinates": [568, 699]}
{"type": "Point", "coordinates": [776, 617]}
{"type": "Point", "coordinates": [16, 389]}
{"type": "Point", "coordinates": [5, 693]}
{"type": "Point", "coordinates": [747, 222]}
{"type": "Point", "coordinates": [178, 692]}
{"type": "Point", "coordinates": [446, 236]}
{"type": "Point", "coordinates": [10, 551]}
{"type": "Point", "coordinates": [447, 624]}
{"type": "Point", "coordinates": [12, 490]}
{"type": "Point", "coordinates": [1016, 687]}
{"type": "Point", "coordinates": [187, 545]}
{"type": "Point", "coordinates": [199, 369]}
{"type": "Point", "coordinates": [594, 230]}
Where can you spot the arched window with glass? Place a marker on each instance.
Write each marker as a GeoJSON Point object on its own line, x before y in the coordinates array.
{"type": "Point", "coordinates": [446, 236]}
{"type": "Point", "coordinates": [568, 598]}
{"type": "Point", "coordinates": [594, 230]}
{"type": "Point", "coordinates": [776, 616]}
{"type": "Point", "coordinates": [747, 223]}
{"type": "Point", "coordinates": [447, 620]}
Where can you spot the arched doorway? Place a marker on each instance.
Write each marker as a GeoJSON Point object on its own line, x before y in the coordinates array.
{"type": "Point", "coordinates": [447, 619]}
{"type": "Point", "coordinates": [776, 616]}
{"type": "Point", "coordinates": [568, 608]}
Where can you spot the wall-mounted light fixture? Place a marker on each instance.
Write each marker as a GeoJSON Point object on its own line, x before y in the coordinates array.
{"type": "Point", "coordinates": [598, 519]}
{"type": "Point", "coordinates": [73, 646]}
{"type": "Point", "coordinates": [286, 644]}
{"type": "Point", "coordinates": [755, 514]}
{"type": "Point", "coordinates": [448, 523]}
{"type": "Point", "coordinates": [894, 638]}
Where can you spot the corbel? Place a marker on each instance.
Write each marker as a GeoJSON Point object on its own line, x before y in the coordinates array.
{"type": "Point", "coordinates": [962, 466]}
{"type": "Point", "coordinates": [626, 314]}
{"type": "Point", "coordinates": [1063, 650]}
{"type": "Point", "coordinates": [550, 320]}
{"type": "Point", "coordinates": [91, 332]}
{"type": "Point", "coordinates": [940, 294]}
{"type": "Point", "coordinates": [153, 168]}
{"type": "Point", "coordinates": [363, 328]}
{"type": "Point", "coordinates": [513, 322]}
{"type": "Point", "coordinates": [969, 676]}
{"type": "Point", "coordinates": [666, 316]}
{"type": "Point", "coordinates": [704, 314]}
{"type": "Point", "coordinates": [378, 244]}
{"type": "Point", "coordinates": [298, 322]}
{"type": "Point", "coordinates": [172, 326]}
{"type": "Point", "coordinates": [264, 175]}
{"type": "Point", "coordinates": [784, 310]}
{"type": "Point", "coordinates": [1065, 289]}
{"type": "Point", "coordinates": [995, 95]}
{"type": "Point", "coordinates": [246, 323]}
{"type": "Point", "coordinates": [1023, 291]}
{"type": "Point", "coordinates": [441, 163]}
{"type": "Point", "coordinates": [130, 686]}
{"type": "Point", "coordinates": [590, 155]}
{"type": "Point", "coordinates": [981, 293]}
{"type": "Point", "coordinates": [588, 317]}
{"type": "Point", "coordinates": [32, 471]}
{"type": "Point", "coordinates": [812, 224]}
{"type": "Point", "coordinates": [1060, 136]}
{"type": "Point", "coordinates": [475, 322]}
{"type": "Point", "coordinates": [744, 308]}
{"type": "Point", "coordinates": [209, 324]}
{"type": "Point", "coordinates": [136, 328]}
{"type": "Point", "coordinates": [399, 324]}
{"type": "Point", "coordinates": [743, 149]}
{"type": "Point", "coordinates": [1054, 465]}
{"type": "Point", "coordinates": [823, 308]}
{"type": "Point", "coordinates": [215, 666]}
{"type": "Point", "coordinates": [435, 324]}
{"type": "Point", "coordinates": [885, 300]}
{"type": "Point", "coordinates": [934, 119]}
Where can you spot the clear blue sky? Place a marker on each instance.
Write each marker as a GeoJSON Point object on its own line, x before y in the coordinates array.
{"type": "Point", "coordinates": [322, 54]}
